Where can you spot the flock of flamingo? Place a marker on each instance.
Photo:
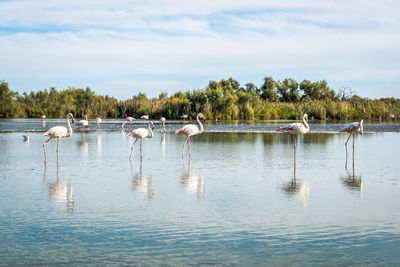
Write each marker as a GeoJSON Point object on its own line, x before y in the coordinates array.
{"type": "Point", "coordinates": [189, 130]}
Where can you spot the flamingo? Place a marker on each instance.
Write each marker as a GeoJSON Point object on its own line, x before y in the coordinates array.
{"type": "Point", "coordinates": [83, 123]}
{"type": "Point", "coordinates": [163, 124]}
{"type": "Point", "coordinates": [352, 129]}
{"type": "Point", "coordinates": [141, 133]}
{"type": "Point", "coordinates": [58, 132]}
{"type": "Point", "coordinates": [145, 117]}
{"type": "Point", "coordinates": [184, 117]}
{"type": "Point", "coordinates": [128, 119]}
{"type": "Point", "coordinates": [98, 121]}
{"type": "Point", "coordinates": [43, 117]}
{"type": "Point", "coordinates": [294, 129]}
{"type": "Point", "coordinates": [191, 129]}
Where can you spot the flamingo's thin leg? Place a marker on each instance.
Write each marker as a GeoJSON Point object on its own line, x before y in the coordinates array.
{"type": "Point", "coordinates": [58, 145]}
{"type": "Point", "coordinates": [44, 149]}
{"type": "Point", "coordinates": [345, 144]}
{"type": "Point", "coordinates": [130, 156]}
{"type": "Point", "coordinates": [353, 149]}
{"type": "Point", "coordinates": [184, 145]}
{"type": "Point", "coordinates": [189, 146]}
{"type": "Point", "coordinates": [141, 143]}
{"type": "Point", "coordinates": [294, 151]}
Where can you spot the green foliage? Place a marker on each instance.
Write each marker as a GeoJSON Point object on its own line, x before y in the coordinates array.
{"type": "Point", "coordinates": [317, 90]}
{"type": "Point", "coordinates": [225, 99]}
{"type": "Point", "coordinates": [7, 104]}
{"type": "Point", "coordinates": [288, 90]}
{"type": "Point", "coordinates": [268, 89]}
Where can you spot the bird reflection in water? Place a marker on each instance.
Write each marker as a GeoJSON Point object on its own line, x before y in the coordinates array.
{"type": "Point", "coordinates": [98, 142]}
{"type": "Point", "coordinates": [352, 181]}
{"type": "Point", "coordinates": [297, 189]}
{"type": "Point", "coordinates": [163, 144]}
{"type": "Point", "coordinates": [84, 145]}
{"type": "Point", "coordinates": [60, 192]}
{"type": "Point", "coordinates": [43, 123]}
{"type": "Point", "coordinates": [142, 184]}
{"type": "Point", "coordinates": [193, 183]}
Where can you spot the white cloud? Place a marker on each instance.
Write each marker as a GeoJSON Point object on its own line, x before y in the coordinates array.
{"type": "Point", "coordinates": [113, 41]}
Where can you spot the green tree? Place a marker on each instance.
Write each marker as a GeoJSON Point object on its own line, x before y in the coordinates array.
{"type": "Point", "coordinates": [7, 103]}
{"type": "Point", "coordinates": [268, 89]}
{"type": "Point", "coordinates": [163, 95]}
{"type": "Point", "coordinates": [288, 90]}
{"type": "Point", "coordinates": [316, 90]}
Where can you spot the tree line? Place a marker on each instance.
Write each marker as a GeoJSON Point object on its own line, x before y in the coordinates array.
{"type": "Point", "coordinates": [226, 99]}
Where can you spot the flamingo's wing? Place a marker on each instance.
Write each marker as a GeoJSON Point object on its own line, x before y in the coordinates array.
{"type": "Point", "coordinates": [292, 128]}
{"type": "Point", "coordinates": [139, 133]}
{"type": "Point", "coordinates": [56, 131]}
{"type": "Point", "coordinates": [351, 127]}
{"type": "Point", "coordinates": [83, 123]}
{"type": "Point", "coordinates": [188, 129]}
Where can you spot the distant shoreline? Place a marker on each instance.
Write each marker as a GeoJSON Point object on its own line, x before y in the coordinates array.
{"type": "Point", "coordinates": [223, 100]}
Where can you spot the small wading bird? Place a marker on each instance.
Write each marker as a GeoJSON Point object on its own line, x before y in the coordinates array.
{"type": "Point", "coordinates": [58, 132]}
{"type": "Point", "coordinates": [145, 117]}
{"type": "Point", "coordinates": [26, 138]}
{"type": "Point", "coordinates": [352, 129]}
{"type": "Point", "coordinates": [128, 119]}
{"type": "Point", "coordinates": [141, 133]}
{"type": "Point", "coordinates": [294, 129]}
{"type": "Point", "coordinates": [98, 121]}
{"type": "Point", "coordinates": [191, 129]}
{"type": "Point", "coordinates": [43, 117]}
{"type": "Point", "coordinates": [163, 125]}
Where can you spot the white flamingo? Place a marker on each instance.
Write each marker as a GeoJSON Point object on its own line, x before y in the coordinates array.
{"type": "Point", "coordinates": [145, 117]}
{"type": "Point", "coordinates": [141, 133]}
{"type": "Point", "coordinates": [294, 129]}
{"type": "Point", "coordinates": [58, 132]}
{"type": "Point", "coordinates": [83, 123]}
{"type": "Point", "coordinates": [191, 129]}
{"type": "Point", "coordinates": [352, 129]}
{"type": "Point", "coordinates": [163, 124]}
{"type": "Point", "coordinates": [128, 119]}
{"type": "Point", "coordinates": [184, 117]}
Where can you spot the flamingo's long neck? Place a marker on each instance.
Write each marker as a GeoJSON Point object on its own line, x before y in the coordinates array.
{"type": "Point", "coordinates": [69, 133]}
{"type": "Point", "coordinates": [150, 135]}
{"type": "Point", "coordinates": [305, 123]}
{"type": "Point", "coordinates": [85, 117]}
{"type": "Point", "coordinates": [200, 124]}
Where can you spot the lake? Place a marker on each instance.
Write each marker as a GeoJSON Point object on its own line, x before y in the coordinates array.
{"type": "Point", "coordinates": [234, 202]}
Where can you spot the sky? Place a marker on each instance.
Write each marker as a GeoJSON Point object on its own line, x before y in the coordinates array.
{"type": "Point", "coordinates": [123, 47]}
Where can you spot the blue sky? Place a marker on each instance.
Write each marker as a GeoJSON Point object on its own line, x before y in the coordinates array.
{"type": "Point", "coordinates": [122, 47]}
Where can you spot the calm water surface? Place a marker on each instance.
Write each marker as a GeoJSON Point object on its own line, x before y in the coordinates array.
{"type": "Point", "coordinates": [233, 203]}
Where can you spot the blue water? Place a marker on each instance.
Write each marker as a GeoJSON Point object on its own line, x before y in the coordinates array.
{"type": "Point", "coordinates": [236, 204]}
